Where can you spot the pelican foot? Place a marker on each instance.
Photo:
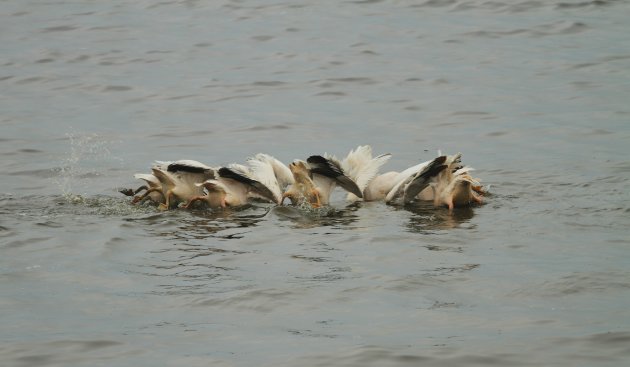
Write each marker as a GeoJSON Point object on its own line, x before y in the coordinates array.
{"type": "Point", "coordinates": [127, 192]}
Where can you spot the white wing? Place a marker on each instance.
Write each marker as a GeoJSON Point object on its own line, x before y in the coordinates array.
{"type": "Point", "coordinates": [282, 172]}
{"type": "Point", "coordinates": [411, 184]}
{"type": "Point", "coordinates": [187, 164]}
{"type": "Point", "coordinates": [263, 172]}
{"type": "Point", "coordinates": [148, 178]}
{"type": "Point", "coordinates": [162, 165]}
{"type": "Point", "coordinates": [243, 175]}
{"type": "Point", "coordinates": [330, 167]}
{"type": "Point", "coordinates": [403, 178]}
{"type": "Point", "coordinates": [166, 179]}
{"type": "Point", "coordinates": [240, 169]}
{"type": "Point", "coordinates": [361, 167]}
{"type": "Point", "coordinates": [213, 186]}
{"type": "Point", "coordinates": [181, 177]}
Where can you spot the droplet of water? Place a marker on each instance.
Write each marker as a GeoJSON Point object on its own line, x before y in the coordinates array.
{"type": "Point", "coordinates": [83, 164]}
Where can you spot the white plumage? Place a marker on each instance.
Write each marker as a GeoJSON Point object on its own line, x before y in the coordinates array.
{"type": "Point", "coordinates": [154, 188]}
{"type": "Point", "coordinates": [233, 185]}
{"type": "Point", "coordinates": [403, 186]}
{"type": "Point", "coordinates": [316, 179]}
{"type": "Point", "coordinates": [454, 186]}
{"type": "Point", "coordinates": [362, 168]}
{"type": "Point", "coordinates": [415, 179]}
{"type": "Point", "coordinates": [443, 180]}
{"type": "Point", "coordinates": [179, 179]}
{"type": "Point", "coordinates": [272, 173]}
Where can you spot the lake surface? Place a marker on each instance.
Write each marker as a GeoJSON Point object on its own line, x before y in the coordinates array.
{"type": "Point", "coordinates": [535, 94]}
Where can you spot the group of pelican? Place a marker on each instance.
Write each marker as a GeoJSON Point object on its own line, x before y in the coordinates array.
{"type": "Point", "coordinates": [442, 180]}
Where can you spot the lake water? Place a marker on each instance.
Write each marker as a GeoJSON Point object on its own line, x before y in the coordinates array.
{"type": "Point", "coordinates": [535, 94]}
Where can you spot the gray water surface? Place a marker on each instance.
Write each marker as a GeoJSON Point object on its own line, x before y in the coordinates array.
{"type": "Point", "coordinates": [533, 93]}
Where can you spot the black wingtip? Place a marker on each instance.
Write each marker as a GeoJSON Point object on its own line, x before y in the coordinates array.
{"type": "Point", "coordinates": [348, 184]}
{"type": "Point", "coordinates": [178, 167]}
{"type": "Point", "coordinates": [324, 166]}
{"type": "Point", "coordinates": [317, 159]}
{"type": "Point", "coordinates": [226, 172]}
{"type": "Point", "coordinates": [435, 167]}
{"type": "Point", "coordinates": [331, 169]}
{"type": "Point", "coordinates": [256, 186]}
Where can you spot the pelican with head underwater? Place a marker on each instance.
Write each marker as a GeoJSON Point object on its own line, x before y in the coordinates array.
{"type": "Point", "coordinates": [443, 180]}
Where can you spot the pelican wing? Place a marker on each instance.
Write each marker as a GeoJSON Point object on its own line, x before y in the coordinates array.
{"type": "Point", "coordinates": [165, 178]}
{"type": "Point", "coordinates": [213, 186]}
{"type": "Point", "coordinates": [415, 179]}
{"type": "Point", "coordinates": [401, 179]}
{"type": "Point", "coordinates": [263, 172]}
{"type": "Point", "coordinates": [422, 179]}
{"type": "Point", "coordinates": [281, 171]}
{"type": "Point", "coordinates": [239, 174]}
{"type": "Point", "coordinates": [163, 165]}
{"type": "Point", "coordinates": [148, 178]}
{"type": "Point", "coordinates": [361, 167]}
{"type": "Point", "coordinates": [330, 168]}
{"type": "Point", "coordinates": [190, 166]}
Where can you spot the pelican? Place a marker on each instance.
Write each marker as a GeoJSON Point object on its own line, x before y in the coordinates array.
{"type": "Point", "coordinates": [153, 187]}
{"type": "Point", "coordinates": [442, 180]}
{"type": "Point", "coordinates": [454, 186]}
{"type": "Point", "coordinates": [404, 186]}
{"type": "Point", "coordinates": [272, 173]}
{"type": "Point", "coordinates": [303, 187]}
{"type": "Point", "coordinates": [316, 178]}
{"type": "Point", "coordinates": [179, 180]}
{"type": "Point", "coordinates": [232, 186]}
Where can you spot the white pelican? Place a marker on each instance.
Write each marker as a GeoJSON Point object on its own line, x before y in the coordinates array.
{"type": "Point", "coordinates": [232, 186]}
{"type": "Point", "coordinates": [454, 186]}
{"type": "Point", "coordinates": [153, 187]}
{"type": "Point", "coordinates": [272, 173]}
{"type": "Point", "coordinates": [303, 187]}
{"type": "Point", "coordinates": [404, 186]}
{"type": "Point", "coordinates": [316, 178]}
{"type": "Point", "coordinates": [442, 180]}
{"type": "Point", "coordinates": [179, 180]}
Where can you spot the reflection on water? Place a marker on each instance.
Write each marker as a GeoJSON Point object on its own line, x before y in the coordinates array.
{"type": "Point", "coordinates": [305, 217]}
{"type": "Point", "coordinates": [229, 223]}
{"type": "Point", "coordinates": [427, 218]}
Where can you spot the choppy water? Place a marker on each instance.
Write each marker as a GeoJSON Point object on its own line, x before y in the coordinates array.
{"type": "Point", "coordinates": [534, 93]}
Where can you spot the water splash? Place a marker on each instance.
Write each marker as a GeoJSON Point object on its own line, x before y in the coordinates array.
{"type": "Point", "coordinates": [76, 204]}
{"type": "Point", "coordinates": [82, 165]}
{"type": "Point", "coordinates": [311, 212]}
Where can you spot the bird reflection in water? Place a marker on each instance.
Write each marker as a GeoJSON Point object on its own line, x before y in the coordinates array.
{"type": "Point", "coordinates": [229, 223]}
{"type": "Point", "coordinates": [427, 218]}
{"type": "Point", "coordinates": [326, 216]}
{"type": "Point", "coordinates": [200, 224]}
